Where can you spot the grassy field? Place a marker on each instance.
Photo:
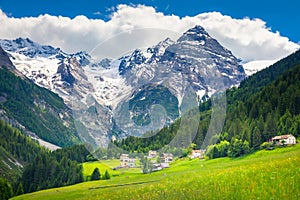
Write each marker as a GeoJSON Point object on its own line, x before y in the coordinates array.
{"type": "Point", "coordinates": [264, 175]}
{"type": "Point", "coordinates": [108, 165]}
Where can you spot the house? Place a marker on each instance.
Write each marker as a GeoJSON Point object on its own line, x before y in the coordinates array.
{"type": "Point", "coordinates": [152, 154]}
{"type": "Point", "coordinates": [164, 165]}
{"type": "Point", "coordinates": [197, 153]}
{"type": "Point", "coordinates": [156, 167]}
{"type": "Point", "coordinates": [126, 162]}
{"type": "Point", "coordinates": [160, 166]}
{"type": "Point", "coordinates": [166, 158]}
{"type": "Point", "coordinates": [283, 139]}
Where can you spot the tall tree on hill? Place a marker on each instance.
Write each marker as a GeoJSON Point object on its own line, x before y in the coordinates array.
{"type": "Point", "coordinates": [20, 189]}
{"type": "Point", "coordinates": [106, 175]}
{"type": "Point", "coordinates": [95, 175]}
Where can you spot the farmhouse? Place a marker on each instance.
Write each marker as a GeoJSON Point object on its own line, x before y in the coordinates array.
{"type": "Point", "coordinates": [166, 157]}
{"type": "Point", "coordinates": [152, 154]}
{"type": "Point", "coordinates": [156, 167]}
{"type": "Point", "coordinates": [126, 162]}
{"type": "Point", "coordinates": [197, 153]}
{"type": "Point", "coordinates": [284, 139]}
{"type": "Point", "coordinates": [161, 166]}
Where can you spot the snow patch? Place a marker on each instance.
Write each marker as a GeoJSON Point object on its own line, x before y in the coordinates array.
{"type": "Point", "coordinates": [258, 65]}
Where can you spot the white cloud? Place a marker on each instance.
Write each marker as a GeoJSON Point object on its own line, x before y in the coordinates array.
{"type": "Point", "coordinates": [248, 39]}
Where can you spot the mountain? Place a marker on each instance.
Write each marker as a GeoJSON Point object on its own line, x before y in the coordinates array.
{"type": "Point", "coordinates": [147, 89]}
{"type": "Point", "coordinates": [36, 110]}
{"type": "Point", "coordinates": [264, 105]}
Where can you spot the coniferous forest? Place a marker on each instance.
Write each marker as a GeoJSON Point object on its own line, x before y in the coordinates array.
{"type": "Point", "coordinates": [35, 167]}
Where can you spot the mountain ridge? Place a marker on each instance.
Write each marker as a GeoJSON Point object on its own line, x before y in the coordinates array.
{"type": "Point", "coordinates": [195, 61]}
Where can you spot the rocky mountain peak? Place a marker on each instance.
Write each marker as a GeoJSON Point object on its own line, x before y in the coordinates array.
{"type": "Point", "coordinates": [194, 34]}
{"type": "Point", "coordinates": [29, 48]}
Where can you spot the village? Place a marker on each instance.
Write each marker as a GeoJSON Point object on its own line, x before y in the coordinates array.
{"type": "Point", "coordinates": [160, 161]}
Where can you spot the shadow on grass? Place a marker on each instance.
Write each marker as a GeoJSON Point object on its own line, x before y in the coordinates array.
{"type": "Point", "coordinates": [121, 185]}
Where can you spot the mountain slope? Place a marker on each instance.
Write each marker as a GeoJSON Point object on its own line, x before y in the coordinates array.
{"type": "Point", "coordinates": [125, 91]}
{"type": "Point", "coordinates": [266, 104]}
{"type": "Point", "coordinates": [16, 150]}
{"type": "Point", "coordinates": [35, 109]}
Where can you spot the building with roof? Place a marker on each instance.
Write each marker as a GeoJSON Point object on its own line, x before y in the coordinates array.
{"type": "Point", "coordinates": [126, 162]}
{"type": "Point", "coordinates": [284, 140]}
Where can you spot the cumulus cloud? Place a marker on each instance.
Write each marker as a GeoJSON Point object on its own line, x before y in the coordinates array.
{"type": "Point", "coordinates": [248, 39]}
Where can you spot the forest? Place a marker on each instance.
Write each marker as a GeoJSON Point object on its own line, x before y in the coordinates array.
{"type": "Point", "coordinates": [37, 109]}
{"type": "Point", "coordinates": [38, 168]}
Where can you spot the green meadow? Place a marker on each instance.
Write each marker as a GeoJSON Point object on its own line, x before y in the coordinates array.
{"type": "Point", "coordinates": [266, 174]}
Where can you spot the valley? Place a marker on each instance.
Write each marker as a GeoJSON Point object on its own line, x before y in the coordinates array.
{"type": "Point", "coordinates": [181, 118]}
{"type": "Point", "coordinates": [262, 175]}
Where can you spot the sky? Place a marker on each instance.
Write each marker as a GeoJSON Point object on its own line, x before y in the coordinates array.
{"type": "Point", "coordinates": [252, 30]}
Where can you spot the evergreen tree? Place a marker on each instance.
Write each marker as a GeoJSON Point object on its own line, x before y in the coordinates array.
{"type": "Point", "coordinates": [20, 189]}
{"type": "Point", "coordinates": [95, 175]}
{"type": "Point", "coordinates": [256, 138]}
{"type": "Point", "coordinates": [6, 191]}
{"type": "Point", "coordinates": [106, 175]}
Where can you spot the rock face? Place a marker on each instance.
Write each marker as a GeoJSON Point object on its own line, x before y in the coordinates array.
{"type": "Point", "coordinates": [5, 61]}
{"type": "Point", "coordinates": [122, 96]}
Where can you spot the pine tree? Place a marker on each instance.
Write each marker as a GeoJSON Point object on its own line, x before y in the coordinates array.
{"type": "Point", "coordinates": [106, 175]}
{"type": "Point", "coordinates": [20, 189]}
{"type": "Point", "coordinates": [5, 189]}
{"type": "Point", "coordinates": [95, 175]}
{"type": "Point", "coordinates": [256, 139]}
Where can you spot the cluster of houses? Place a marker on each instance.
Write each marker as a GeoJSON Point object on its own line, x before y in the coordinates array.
{"type": "Point", "coordinates": [165, 158]}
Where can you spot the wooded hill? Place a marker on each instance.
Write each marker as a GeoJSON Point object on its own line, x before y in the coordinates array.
{"type": "Point", "coordinates": [34, 109]}
{"type": "Point", "coordinates": [24, 163]}
{"type": "Point", "coordinates": [264, 105]}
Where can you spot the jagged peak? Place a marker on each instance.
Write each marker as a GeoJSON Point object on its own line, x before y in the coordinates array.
{"type": "Point", "coordinates": [197, 33]}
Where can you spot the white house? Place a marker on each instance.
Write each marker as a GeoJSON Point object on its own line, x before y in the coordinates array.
{"type": "Point", "coordinates": [197, 153]}
{"type": "Point", "coordinates": [156, 167]}
{"type": "Point", "coordinates": [152, 154]}
{"type": "Point", "coordinates": [126, 162]}
{"type": "Point", "coordinates": [284, 139]}
{"type": "Point", "coordinates": [164, 165]}
{"type": "Point", "coordinates": [166, 158]}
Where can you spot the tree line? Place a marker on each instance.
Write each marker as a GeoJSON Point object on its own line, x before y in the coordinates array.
{"type": "Point", "coordinates": [265, 105]}
{"type": "Point", "coordinates": [41, 168]}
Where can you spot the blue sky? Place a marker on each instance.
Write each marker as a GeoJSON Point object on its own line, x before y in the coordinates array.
{"type": "Point", "coordinates": [252, 30]}
{"type": "Point", "coordinates": [282, 16]}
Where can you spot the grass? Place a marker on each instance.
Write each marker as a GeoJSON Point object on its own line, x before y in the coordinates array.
{"type": "Point", "coordinates": [263, 175]}
{"type": "Point", "coordinates": [108, 165]}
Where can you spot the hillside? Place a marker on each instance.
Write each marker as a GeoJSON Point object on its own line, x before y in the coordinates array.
{"type": "Point", "coordinates": [16, 151]}
{"type": "Point", "coordinates": [36, 110]}
{"type": "Point", "coordinates": [265, 104]}
{"type": "Point", "coordinates": [262, 175]}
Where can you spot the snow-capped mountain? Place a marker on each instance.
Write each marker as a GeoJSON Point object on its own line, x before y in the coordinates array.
{"type": "Point", "coordinates": [116, 95]}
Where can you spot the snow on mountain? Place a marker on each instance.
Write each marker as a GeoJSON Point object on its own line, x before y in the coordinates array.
{"type": "Point", "coordinates": [255, 66]}
{"type": "Point", "coordinates": [96, 90]}
{"type": "Point", "coordinates": [30, 49]}
{"type": "Point", "coordinates": [110, 87]}
{"type": "Point", "coordinates": [195, 57]}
